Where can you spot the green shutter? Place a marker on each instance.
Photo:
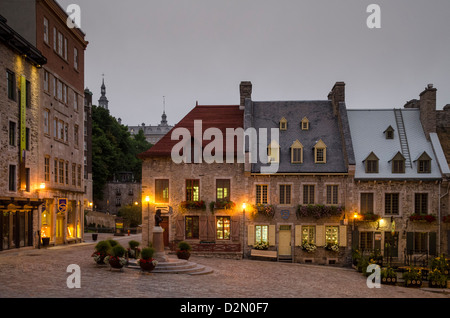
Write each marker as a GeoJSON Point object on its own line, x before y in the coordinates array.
{"type": "Point", "coordinates": [355, 239]}
{"type": "Point", "coordinates": [409, 242]}
{"type": "Point", "coordinates": [432, 243]}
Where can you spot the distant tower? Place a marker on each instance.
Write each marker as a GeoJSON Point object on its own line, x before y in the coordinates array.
{"type": "Point", "coordinates": [163, 116]}
{"type": "Point", "coordinates": [103, 101]}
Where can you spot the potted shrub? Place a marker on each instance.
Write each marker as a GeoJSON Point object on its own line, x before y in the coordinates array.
{"type": "Point", "coordinates": [388, 276]}
{"type": "Point", "coordinates": [436, 279]}
{"type": "Point", "coordinates": [184, 250]}
{"type": "Point", "coordinates": [146, 262]}
{"type": "Point", "coordinates": [413, 277]}
{"type": "Point", "coordinates": [101, 251]}
{"type": "Point", "coordinates": [116, 258]}
{"type": "Point", "coordinates": [133, 250]}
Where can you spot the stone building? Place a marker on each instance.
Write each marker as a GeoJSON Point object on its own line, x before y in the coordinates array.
{"type": "Point", "coordinates": [300, 205]}
{"type": "Point", "coordinates": [20, 95]}
{"type": "Point", "coordinates": [152, 133]}
{"type": "Point", "coordinates": [200, 202]}
{"type": "Point", "coordinates": [61, 124]}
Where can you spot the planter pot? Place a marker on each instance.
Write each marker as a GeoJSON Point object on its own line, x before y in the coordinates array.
{"type": "Point", "coordinates": [99, 259]}
{"type": "Point", "coordinates": [45, 241]}
{"type": "Point", "coordinates": [114, 262]}
{"type": "Point", "coordinates": [413, 283]}
{"type": "Point", "coordinates": [183, 254]}
{"type": "Point", "coordinates": [434, 284]}
{"type": "Point", "coordinates": [146, 265]}
{"type": "Point", "coordinates": [389, 280]}
{"type": "Point", "coordinates": [94, 236]}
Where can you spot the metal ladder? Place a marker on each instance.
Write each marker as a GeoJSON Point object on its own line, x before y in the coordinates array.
{"type": "Point", "coordinates": [402, 136]}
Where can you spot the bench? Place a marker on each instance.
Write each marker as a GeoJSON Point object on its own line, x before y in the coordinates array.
{"type": "Point", "coordinates": [263, 253]}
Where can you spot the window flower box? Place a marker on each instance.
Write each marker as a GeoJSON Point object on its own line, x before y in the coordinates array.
{"type": "Point", "coordinates": [192, 205]}
{"type": "Point", "coordinates": [263, 210]}
{"type": "Point", "coordinates": [226, 205]}
{"type": "Point", "coordinates": [319, 211]}
{"type": "Point", "coordinates": [422, 218]}
{"type": "Point", "coordinates": [370, 217]}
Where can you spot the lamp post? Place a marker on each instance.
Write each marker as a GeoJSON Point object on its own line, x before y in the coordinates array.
{"type": "Point", "coordinates": [243, 229]}
{"type": "Point", "coordinates": [147, 199]}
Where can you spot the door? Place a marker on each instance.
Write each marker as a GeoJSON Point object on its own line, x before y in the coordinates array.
{"type": "Point", "coordinates": [284, 240]}
{"type": "Point", "coordinates": [390, 244]}
{"type": "Point", "coordinates": [59, 229]}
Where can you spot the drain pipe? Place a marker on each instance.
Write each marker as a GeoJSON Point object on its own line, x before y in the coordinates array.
{"type": "Point", "coordinates": [439, 213]}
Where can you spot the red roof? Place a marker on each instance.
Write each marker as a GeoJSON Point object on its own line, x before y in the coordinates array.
{"type": "Point", "coordinates": [216, 116]}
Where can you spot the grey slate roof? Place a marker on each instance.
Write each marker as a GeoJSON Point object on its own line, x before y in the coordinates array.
{"type": "Point", "coordinates": [323, 124]}
{"type": "Point", "coordinates": [367, 129]}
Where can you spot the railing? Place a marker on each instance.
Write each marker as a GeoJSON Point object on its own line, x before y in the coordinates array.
{"type": "Point", "coordinates": [212, 247]}
{"type": "Point", "coordinates": [413, 257]}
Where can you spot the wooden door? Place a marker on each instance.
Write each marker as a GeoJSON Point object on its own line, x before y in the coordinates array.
{"type": "Point", "coordinates": [284, 240]}
{"type": "Point", "coordinates": [165, 225]}
{"type": "Point", "coordinates": [59, 229]}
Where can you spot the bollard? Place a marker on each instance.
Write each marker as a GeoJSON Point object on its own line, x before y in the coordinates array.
{"type": "Point", "coordinates": [128, 232]}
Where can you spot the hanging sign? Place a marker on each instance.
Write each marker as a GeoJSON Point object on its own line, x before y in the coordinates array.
{"type": "Point", "coordinates": [285, 214]}
{"type": "Point", "coordinates": [393, 227]}
{"type": "Point", "coordinates": [62, 205]}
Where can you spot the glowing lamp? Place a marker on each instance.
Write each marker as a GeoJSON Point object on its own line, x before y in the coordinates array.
{"type": "Point", "coordinates": [42, 186]}
{"type": "Point", "coordinates": [147, 199]}
{"type": "Point", "coordinates": [243, 206]}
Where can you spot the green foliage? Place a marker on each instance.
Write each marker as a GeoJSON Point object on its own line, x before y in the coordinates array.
{"type": "Point", "coordinates": [117, 251]}
{"type": "Point", "coordinates": [103, 247]}
{"type": "Point", "coordinates": [388, 272]}
{"type": "Point", "coordinates": [184, 246]}
{"type": "Point", "coordinates": [112, 243]}
{"type": "Point", "coordinates": [113, 149]}
{"type": "Point", "coordinates": [147, 252]}
{"type": "Point", "coordinates": [133, 244]}
{"type": "Point", "coordinates": [132, 214]}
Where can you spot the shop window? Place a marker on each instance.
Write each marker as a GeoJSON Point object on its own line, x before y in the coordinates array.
{"type": "Point", "coordinates": [223, 224]}
{"type": "Point", "coordinates": [309, 234]}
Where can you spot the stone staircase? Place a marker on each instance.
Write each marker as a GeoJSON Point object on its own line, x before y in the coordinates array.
{"type": "Point", "coordinates": [176, 266]}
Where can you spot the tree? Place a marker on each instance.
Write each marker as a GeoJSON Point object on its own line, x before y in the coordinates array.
{"type": "Point", "coordinates": [132, 214]}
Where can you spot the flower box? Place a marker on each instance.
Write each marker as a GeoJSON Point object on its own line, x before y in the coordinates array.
{"type": "Point", "coordinates": [422, 218]}
{"type": "Point", "coordinates": [370, 217]}
{"type": "Point", "coordinates": [263, 210]}
{"type": "Point", "coordinates": [319, 211]}
{"type": "Point", "coordinates": [389, 280]}
{"type": "Point", "coordinates": [192, 205]}
{"type": "Point", "coordinates": [415, 283]}
{"type": "Point", "coordinates": [435, 284]}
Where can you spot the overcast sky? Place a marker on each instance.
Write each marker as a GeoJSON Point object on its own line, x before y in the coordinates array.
{"type": "Point", "coordinates": [200, 50]}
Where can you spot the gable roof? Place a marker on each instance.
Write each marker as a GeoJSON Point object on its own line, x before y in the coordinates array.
{"type": "Point", "coordinates": [367, 128]}
{"type": "Point", "coordinates": [323, 125]}
{"type": "Point", "coordinates": [211, 116]}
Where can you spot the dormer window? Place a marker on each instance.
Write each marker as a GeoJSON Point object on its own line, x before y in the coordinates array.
{"type": "Point", "coordinates": [320, 152]}
{"type": "Point", "coordinates": [389, 132]}
{"type": "Point", "coordinates": [304, 124]}
{"type": "Point", "coordinates": [283, 124]}
{"type": "Point", "coordinates": [273, 152]}
{"type": "Point", "coordinates": [371, 163]}
{"type": "Point", "coordinates": [398, 163]}
{"type": "Point", "coordinates": [423, 163]}
{"type": "Point", "coordinates": [297, 152]}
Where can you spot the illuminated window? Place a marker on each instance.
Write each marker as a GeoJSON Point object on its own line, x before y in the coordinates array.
{"type": "Point", "coordinates": [222, 190]}
{"type": "Point", "coordinates": [262, 234]}
{"type": "Point", "coordinates": [309, 234]}
{"type": "Point", "coordinates": [192, 190]}
{"type": "Point", "coordinates": [47, 168]}
{"type": "Point", "coordinates": [192, 227]}
{"type": "Point", "coordinates": [331, 234]}
{"type": "Point", "coordinates": [261, 194]}
{"type": "Point", "coordinates": [162, 190]}
{"type": "Point", "coordinates": [223, 227]}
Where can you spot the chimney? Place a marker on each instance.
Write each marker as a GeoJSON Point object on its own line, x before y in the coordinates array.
{"type": "Point", "coordinates": [413, 103]}
{"type": "Point", "coordinates": [427, 106]}
{"type": "Point", "coordinates": [245, 89]}
{"type": "Point", "coordinates": [336, 96]}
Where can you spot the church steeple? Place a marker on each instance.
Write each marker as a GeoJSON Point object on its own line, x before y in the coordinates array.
{"type": "Point", "coordinates": [164, 116]}
{"type": "Point", "coordinates": [103, 101]}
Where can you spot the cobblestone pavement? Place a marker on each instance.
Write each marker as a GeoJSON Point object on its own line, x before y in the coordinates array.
{"type": "Point", "coordinates": [43, 273]}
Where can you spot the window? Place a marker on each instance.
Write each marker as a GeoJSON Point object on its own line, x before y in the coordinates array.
{"type": "Point", "coordinates": [67, 172]}
{"type": "Point", "coordinates": [222, 190]}
{"type": "Point", "coordinates": [54, 81]}
{"type": "Point", "coordinates": [366, 241]}
{"type": "Point", "coordinates": [424, 163]}
{"type": "Point", "coordinates": [262, 234]}
{"type": "Point", "coordinates": [28, 94]}
{"type": "Point", "coordinates": [47, 168]}
{"type": "Point", "coordinates": [308, 194]}
{"type": "Point", "coordinates": [331, 234]}
{"type": "Point", "coordinates": [304, 124]}
{"type": "Point", "coordinates": [65, 48]}
{"type": "Point", "coordinates": [389, 133]}
{"type": "Point", "coordinates": [192, 190]}
{"type": "Point", "coordinates": [60, 44]}
{"type": "Point", "coordinates": [332, 194]}
{"type": "Point", "coordinates": [27, 138]}
{"type": "Point", "coordinates": [261, 194]}
{"type": "Point", "coordinates": [297, 152]}
{"type": "Point", "coordinates": [75, 135]}
{"type": "Point", "coordinates": [398, 163]}
{"type": "Point", "coordinates": [79, 176]}
{"type": "Point", "coordinates": [27, 179]}
{"type": "Point", "coordinates": [61, 171]}
{"type": "Point", "coordinates": [45, 30]}
{"type": "Point", "coordinates": [12, 133]}
{"type": "Point", "coordinates": [283, 124]}
{"type": "Point", "coordinates": [55, 45]}
{"type": "Point", "coordinates": [223, 227]}
{"type": "Point", "coordinates": [273, 152]}
{"type": "Point", "coordinates": [421, 203]}
{"type": "Point", "coordinates": [118, 201]}
{"type": "Point", "coordinates": [309, 234]}
{"type": "Point", "coordinates": [420, 242]}
{"type": "Point", "coordinates": [46, 82]}
{"type": "Point", "coordinates": [285, 194]}
{"type": "Point", "coordinates": [391, 203]}
{"type": "Point", "coordinates": [60, 130]}
{"type": "Point", "coordinates": [75, 101]}
{"type": "Point", "coordinates": [75, 58]}
{"type": "Point", "coordinates": [60, 85]}
{"type": "Point", "coordinates": [366, 203]}
{"type": "Point", "coordinates": [192, 227]}
{"type": "Point", "coordinates": [55, 170]}
{"type": "Point", "coordinates": [162, 190]}
{"type": "Point", "coordinates": [11, 85]}
{"type": "Point", "coordinates": [371, 163]}
{"type": "Point", "coordinates": [12, 178]}
{"type": "Point", "coordinates": [320, 152]}
{"type": "Point", "coordinates": [74, 178]}
{"type": "Point", "coordinates": [66, 132]}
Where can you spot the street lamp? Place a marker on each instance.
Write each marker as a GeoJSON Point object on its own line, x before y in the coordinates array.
{"type": "Point", "coordinates": [147, 199]}
{"type": "Point", "coordinates": [243, 229]}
